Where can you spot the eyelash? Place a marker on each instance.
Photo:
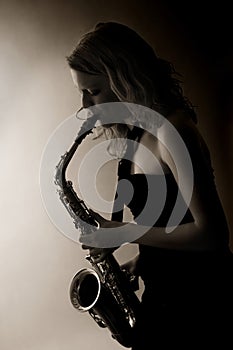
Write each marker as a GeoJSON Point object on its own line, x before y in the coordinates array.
{"type": "Point", "coordinates": [93, 92]}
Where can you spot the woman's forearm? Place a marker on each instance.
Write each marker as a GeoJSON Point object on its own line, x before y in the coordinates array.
{"type": "Point", "coordinates": [185, 237]}
{"type": "Point", "coordinates": [190, 236]}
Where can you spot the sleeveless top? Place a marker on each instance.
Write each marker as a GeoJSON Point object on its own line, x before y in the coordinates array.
{"type": "Point", "coordinates": [152, 256]}
{"type": "Point", "coordinates": [163, 269]}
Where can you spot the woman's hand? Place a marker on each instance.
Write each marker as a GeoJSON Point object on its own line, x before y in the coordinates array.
{"type": "Point", "coordinates": [131, 266]}
{"type": "Point", "coordinates": [100, 219]}
{"type": "Point", "coordinates": [98, 254]}
{"type": "Point", "coordinates": [103, 237]}
{"type": "Point", "coordinates": [93, 241]}
{"type": "Point", "coordinates": [104, 223]}
{"type": "Point", "coordinates": [132, 271]}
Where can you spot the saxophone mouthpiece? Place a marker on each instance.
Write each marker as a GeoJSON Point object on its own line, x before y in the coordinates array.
{"type": "Point", "coordinates": [84, 113]}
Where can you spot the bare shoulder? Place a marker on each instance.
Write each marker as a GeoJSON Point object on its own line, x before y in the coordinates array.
{"type": "Point", "coordinates": [181, 123]}
{"type": "Point", "coordinates": [180, 137]}
{"type": "Point", "coordinates": [180, 126]}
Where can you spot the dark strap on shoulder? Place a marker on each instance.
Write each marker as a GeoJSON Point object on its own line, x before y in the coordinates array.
{"type": "Point", "coordinates": [124, 166]}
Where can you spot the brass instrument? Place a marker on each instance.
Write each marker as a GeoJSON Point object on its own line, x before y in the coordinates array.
{"type": "Point", "coordinates": [105, 291]}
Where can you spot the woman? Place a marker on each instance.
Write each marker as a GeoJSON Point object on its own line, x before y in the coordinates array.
{"type": "Point", "coordinates": [185, 273]}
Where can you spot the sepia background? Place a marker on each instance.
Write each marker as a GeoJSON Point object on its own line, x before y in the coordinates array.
{"type": "Point", "coordinates": [37, 94]}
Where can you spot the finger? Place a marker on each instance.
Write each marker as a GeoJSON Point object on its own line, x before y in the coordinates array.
{"type": "Point", "coordinates": [85, 246]}
{"type": "Point", "coordinates": [86, 240]}
{"type": "Point", "coordinates": [98, 257]}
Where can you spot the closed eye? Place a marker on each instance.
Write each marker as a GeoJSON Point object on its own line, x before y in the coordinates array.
{"type": "Point", "coordinates": [91, 92]}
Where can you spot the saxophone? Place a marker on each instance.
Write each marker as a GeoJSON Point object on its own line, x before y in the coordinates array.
{"type": "Point", "coordinates": [105, 291]}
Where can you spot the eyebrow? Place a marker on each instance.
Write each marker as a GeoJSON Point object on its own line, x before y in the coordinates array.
{"type": "Point", "coordinates": [91, 85]}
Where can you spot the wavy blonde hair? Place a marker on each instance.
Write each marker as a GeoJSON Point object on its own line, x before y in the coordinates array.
{"type": "Point", "coordinates": [135, 73]}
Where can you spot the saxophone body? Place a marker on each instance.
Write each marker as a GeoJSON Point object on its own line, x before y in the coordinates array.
{"type": "Point", "coordinates": [105, 291]}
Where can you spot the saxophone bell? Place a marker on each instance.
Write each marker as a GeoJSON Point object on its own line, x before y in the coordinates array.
{"type": "Point", "coordinates": [89, 292]}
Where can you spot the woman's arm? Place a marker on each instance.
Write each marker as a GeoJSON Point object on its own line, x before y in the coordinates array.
{"type": "Point", "coordinates": [208, 230]}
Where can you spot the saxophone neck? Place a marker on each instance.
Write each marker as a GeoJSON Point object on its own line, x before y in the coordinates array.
{"type": "Point", "coordinates": [60, 174]}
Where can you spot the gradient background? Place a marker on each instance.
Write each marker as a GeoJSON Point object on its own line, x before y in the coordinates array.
{"type": "Point", "coordinates": [37, 94]}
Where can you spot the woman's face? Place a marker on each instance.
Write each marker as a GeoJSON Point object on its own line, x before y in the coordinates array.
{"type": "Point", "coordinates": [94, 89]}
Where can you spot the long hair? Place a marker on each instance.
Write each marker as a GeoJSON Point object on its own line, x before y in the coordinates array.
{"type": "Point", "coordinates": [135, 73]}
